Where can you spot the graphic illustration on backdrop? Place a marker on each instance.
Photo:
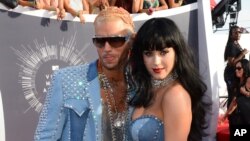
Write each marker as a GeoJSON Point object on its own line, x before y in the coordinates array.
{"type": "Point", "coordinates": [37, 64]}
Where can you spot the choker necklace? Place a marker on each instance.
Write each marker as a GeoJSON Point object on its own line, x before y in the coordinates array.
{"type": "Point", "coordinates": [157, 83]}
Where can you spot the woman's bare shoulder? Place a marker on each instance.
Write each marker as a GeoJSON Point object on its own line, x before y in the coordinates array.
{"type": "Point", "coordinates": [176, 95]}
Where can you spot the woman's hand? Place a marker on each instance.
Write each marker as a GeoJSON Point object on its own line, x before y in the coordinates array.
{"type": "Point", "coordinates": [244, 92]}
{"type": "Point", "coordinates": [60, 13]}
{"type": "Point", "coordinates": [244, 51]}
{"type": "Point", "coordinates": [81, 17]}
{"type": "Point", "coordinates": [150, 11]}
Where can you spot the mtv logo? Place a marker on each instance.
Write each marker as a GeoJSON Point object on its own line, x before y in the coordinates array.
{"type": "Point", "coordinates": [55, 67]}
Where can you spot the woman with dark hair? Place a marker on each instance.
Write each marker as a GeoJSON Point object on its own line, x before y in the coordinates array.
{"type": "Point", "coordinates": [233, 53]}
{"type": "Point", "coordinates": [241, 73]}
{"type": "Point", "coordinates": [168, 103]}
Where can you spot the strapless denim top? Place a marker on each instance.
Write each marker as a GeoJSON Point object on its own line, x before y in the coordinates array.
{"type": "Point", "coordinates": [146, 128]}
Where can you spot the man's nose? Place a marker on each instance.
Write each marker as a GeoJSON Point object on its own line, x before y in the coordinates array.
{"type": "Point", "coordinates": [107, 46]}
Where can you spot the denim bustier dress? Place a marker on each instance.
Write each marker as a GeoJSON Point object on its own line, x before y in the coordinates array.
{"type": "Point", "coordinates": [146, 128]}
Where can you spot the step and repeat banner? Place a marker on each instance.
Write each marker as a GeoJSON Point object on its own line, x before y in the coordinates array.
{"type": "Point", "coordinates": [33, 44]}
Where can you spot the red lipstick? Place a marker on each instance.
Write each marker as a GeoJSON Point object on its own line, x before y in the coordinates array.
{"type": "Point", "coordinates": [157, 70]}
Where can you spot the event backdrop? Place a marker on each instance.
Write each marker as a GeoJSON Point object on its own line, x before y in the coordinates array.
{"type": "Point", "coordinates": [32, 47]}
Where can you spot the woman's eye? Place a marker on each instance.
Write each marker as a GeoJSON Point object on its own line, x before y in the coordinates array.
{"type": "Point", "coordinates": [164, 52]}
{"type": "Point", "coordinates": [147, 53]}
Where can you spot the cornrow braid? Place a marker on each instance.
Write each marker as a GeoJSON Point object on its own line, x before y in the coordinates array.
{"type": "Point", "coordinates": [116, 12]}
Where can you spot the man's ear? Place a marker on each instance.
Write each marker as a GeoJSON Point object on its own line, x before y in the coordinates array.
{"type": "Point", "coordinates": [132, 37]}
{"type": "Point", "coordinates": [131, 40]}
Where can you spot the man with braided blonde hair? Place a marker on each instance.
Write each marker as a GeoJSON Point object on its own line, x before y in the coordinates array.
{"type": "Point", "coordinates": [89, 102]}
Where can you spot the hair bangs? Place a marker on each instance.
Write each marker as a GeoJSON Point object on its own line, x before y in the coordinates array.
{"type": "Point", "coordinates": [156, 41]}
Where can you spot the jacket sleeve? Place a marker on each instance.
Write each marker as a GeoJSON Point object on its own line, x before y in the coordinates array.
{"type": "Point", "coordinates": [52, 117]}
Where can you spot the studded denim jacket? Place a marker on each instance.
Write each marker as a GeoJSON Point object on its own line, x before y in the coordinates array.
{"type": "Point", "coordinates": [72, 109]}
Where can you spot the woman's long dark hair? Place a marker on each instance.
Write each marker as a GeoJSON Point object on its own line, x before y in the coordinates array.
{"type": "Point", "coordinates": [227, 48]}
{"type": "Point", "coordinates": [157, 34]}
{"type": "Point", "coordinates": [246, 72]}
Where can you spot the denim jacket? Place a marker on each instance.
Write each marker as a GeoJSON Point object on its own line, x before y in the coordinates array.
{"type": "Point", "coordinates": [72, 109]}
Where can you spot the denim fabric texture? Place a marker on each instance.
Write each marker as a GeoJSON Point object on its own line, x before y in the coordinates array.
{"type": "Point", "coordinates": [146, 128]}
{"type": "Point", "coordinates": [72, 109]}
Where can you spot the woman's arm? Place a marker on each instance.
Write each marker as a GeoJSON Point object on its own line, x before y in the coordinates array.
{"type": "Point", "coordinates": [69, 8]}
{"type": "Point", "coordinates": [173, 4]}
{"type": "Point", "coordinates": [149, 11]}
{"type": "Point", "coordinates": [244, 92]}
{"type": "Point", "coordinates": [29, 3]}
{"type": "Point", "coordinates": [232, 60]}
{"type": "Point", "coordinates": [137, 6]}
{"type": "Point", "coordinates": [86, 6]}
{"type": "Point", "coordinates": [60, 11]}
{"type": "Point", "coordinates": [231, 108]}
{"type": "Point", "coordinates": [50, 5]}
{"type": "Point", "coordinates": [163, 6]}
{"type": "Point", "coordinates": [74, 12]}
